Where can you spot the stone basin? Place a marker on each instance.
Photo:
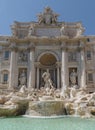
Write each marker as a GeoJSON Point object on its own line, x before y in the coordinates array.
{"type": "Point", "coordinates": [46, 108]}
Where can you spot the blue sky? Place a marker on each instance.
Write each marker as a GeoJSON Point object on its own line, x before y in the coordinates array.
{"type": "Point", "coordinates": [27, 10]}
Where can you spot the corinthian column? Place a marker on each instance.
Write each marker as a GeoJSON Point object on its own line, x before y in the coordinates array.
{"type": "Point", "coordinates": [64, 69]}
{"type": "Point", "coordinates": [58, 74]}
{"type": "Point", "coordinates": [12, 68]}
{"type": "Point", "coordinates": [58, 78]}
{"type": "Point", "coordinates": [37, 77]}
{"type": "Point", "coordinates": [31, 68]}
{"type": "Point", "coordinates": [83, 71]}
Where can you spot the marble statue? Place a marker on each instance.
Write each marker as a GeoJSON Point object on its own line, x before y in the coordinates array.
{"type": "Point", "coordinates": [47, 17]}
{"type": "Point", "coordinates": [48, 90]}
{"type": "Point", "coordinates": [65, 92]}
{"type": "Point", "coordinates": [23, 89]}
{"type": "Point", "coordinates": [47, 80]}
{"type": "Point", "coordinates": [79, 103]}
{"type": "Point", "coordinates": [73, 77]}
{"type": "Point", "coordinates": [31, 30]}
{"type": "Point", "coordinates": [40, 18]}
{"type": "Point", "coordinates": [22, 78]}
{"type": "Point", "coordinates": [62, 30]}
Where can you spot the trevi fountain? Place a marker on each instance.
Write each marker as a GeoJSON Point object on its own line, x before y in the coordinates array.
{"type": "Point", "coordinates": [45, 87]}
{"type": "Point", "coordinates": [47, 103]}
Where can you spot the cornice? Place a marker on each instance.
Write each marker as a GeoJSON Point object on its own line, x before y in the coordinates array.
{"type": "Point", "coordinates": [4, 43]}
{"type": "Point", "coordinates": [13, 47]}
{"type": "Point", "coordinates": [45, 39]}
{"type": "Point", "coordinates": [31, 47]}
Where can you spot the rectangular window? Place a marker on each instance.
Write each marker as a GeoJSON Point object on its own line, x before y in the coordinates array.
{"type": "Point", "coordinates": [90, 77]}
{"type": "Point", "coordinates": [88, 55]}
{"type": "Point", "coordinates": [6, 55]}
{"type": "Point", "coordinates": [5, 78]}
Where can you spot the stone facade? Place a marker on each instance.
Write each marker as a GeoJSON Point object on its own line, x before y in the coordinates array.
{"type": "Point", "coordinates": [35, 47]}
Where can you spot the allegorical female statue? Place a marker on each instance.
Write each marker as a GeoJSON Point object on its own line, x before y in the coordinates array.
{"type": "Point", "coordinates": [73, 77]}
{"type": "Point", "coordinates": [22, 78]}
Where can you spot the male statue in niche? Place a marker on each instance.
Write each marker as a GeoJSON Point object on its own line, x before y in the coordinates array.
{"type": "Point", "coordinates": [47, 79]}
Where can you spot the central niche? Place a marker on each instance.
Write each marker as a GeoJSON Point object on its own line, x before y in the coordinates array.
{"type": "Point", "coordinates": [48, 59]}
{"type": "Point", "coordinates": [48, 62]}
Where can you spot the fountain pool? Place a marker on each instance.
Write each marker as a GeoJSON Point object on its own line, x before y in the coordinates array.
{"type": "Point", "coordinates": [65, 123]}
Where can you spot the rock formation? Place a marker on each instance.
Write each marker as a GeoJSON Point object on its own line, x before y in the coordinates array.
{"type": "Point", "coordinates": [75, 102]}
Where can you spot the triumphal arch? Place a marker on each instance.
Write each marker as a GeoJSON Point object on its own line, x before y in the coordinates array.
{"type": "Point", "coordinates": [47, 45]}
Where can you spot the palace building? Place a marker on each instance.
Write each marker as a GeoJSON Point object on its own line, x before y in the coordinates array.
{"type": "Point", "coordinates": [47, 45]}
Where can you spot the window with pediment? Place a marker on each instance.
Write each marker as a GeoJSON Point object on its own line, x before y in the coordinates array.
{"type": "Point", "coordinates": [6, 55]}
{"type": "Point", "coordinates": [88, 54]}
{"type": "Point", "coordinates": [90, 77]}
{"type": "Point", "coordinates": [5, 76]}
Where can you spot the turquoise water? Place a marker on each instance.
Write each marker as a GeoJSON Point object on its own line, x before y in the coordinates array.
{"type": "Point", "coordinates": [66, 123]}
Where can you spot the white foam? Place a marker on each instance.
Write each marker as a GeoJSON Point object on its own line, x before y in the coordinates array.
{"type": "Point", "coordinates": [50, 117]}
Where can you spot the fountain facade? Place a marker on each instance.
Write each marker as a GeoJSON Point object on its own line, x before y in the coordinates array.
{"type": "Point", "coordinates": [35, 47]}
{"type": "Point", "coordinates": [48, 65]}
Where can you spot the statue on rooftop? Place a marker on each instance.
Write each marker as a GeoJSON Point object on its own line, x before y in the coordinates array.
{"type": "Point", "coordinates": [31, 30]}
{"type": "Point", "coordinates": [47, 17]}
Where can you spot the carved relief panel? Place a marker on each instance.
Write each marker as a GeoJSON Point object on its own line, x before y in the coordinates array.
{"type": "Point", "coordinates": [22, 56]}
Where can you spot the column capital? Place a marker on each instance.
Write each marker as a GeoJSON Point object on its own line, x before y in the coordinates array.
{"type": "Point", "coordinates": [37, 64]}
{"type": "Point", "coordinates": [80, 49]}
{"type": "Point", "coordinates": [58, 64]}
{"type": "Point", "coordinates": [13, 47]}
{"type": "Point", "coordinates": [64, 47]}
{"type": "Point", "coordinates": [31, 47]}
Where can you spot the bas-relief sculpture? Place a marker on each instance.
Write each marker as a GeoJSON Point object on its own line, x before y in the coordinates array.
{"type": "Point", "coordinates": [22, 56]}
{"type": "Point", "coordinates": [71, 30]}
